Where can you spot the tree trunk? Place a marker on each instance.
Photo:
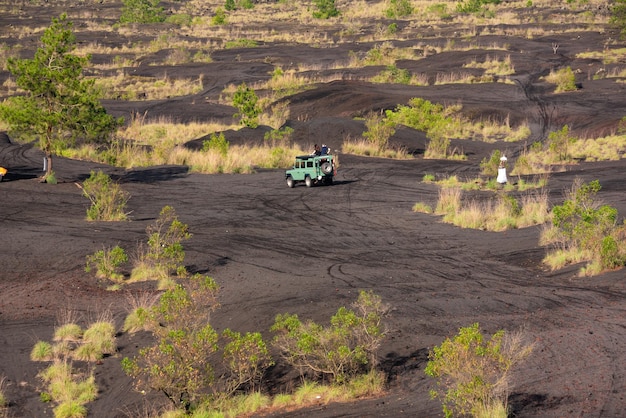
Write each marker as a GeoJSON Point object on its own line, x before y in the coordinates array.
{"type": "Point", "coordinates": [47, 166]}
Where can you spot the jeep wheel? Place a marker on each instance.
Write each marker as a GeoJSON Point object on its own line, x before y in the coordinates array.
{"type": "Point", "coordinates": [328, 180]}
{"type": "Point", "coordinates": [327, 168]}
{"type": "Point", "coordinates": [308, 181]}
{"type": "Point", "coordinates": [290, 182]}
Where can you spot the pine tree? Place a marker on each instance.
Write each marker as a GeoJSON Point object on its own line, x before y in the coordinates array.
{"type": "Point", "coordinates": [60, 105]}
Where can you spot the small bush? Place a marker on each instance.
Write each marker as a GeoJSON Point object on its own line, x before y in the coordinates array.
{"type": "Point", "coordinates": [107, 263]}
{"type": "Point", "coordinates": [142, 11]}
{"type": "Point", "coordinates": [164, 252]}
{"type": "Point", "coordinates": [247, 358]}
{"type": "Point", "coordinates": [216, 143]}
{"type": "Point", "coordinates": [246, 101]}
{"type": "Point", "coordinates": [584, 230]}
{"type": "Point", "coordinates": [219, 18]}
{"type": "Point", "coordinates": [437, 148]}
{"type": "Point", "coordinates": [379, 130]}
{"type": "Point", "coordinates": [398, 9]}
{"type": "Point", "coordinates": [489, 166]}
{"type": "Point", "coordinates": [181, 363]}
{"type": "Point", "coordinates": [564, 79]}
{"type": "Point", "coordinates": [559, 143]}
{"type": "Point", "coordinates": [108, 200]}
{"type": "Point", "coordinates": [346, 348]}
{"type": "Point", "coordinates": [474, 6]}
{"type": "Point", "coordinates": [618, 16]}
{"type": "Point", "coordinates": [325, 9]}
{"type": "Point", "coordinates": [393, 74]}
{"type": "Point", "coordinates": [473, 371]}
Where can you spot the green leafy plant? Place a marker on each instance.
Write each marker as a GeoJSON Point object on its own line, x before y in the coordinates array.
{"type": "Point", "coordinates": [182, 362]}
{"type": "Point", "coordinates": [393, 74]}
{"type": "Point", "coordinates": [60, 104]}
{"type": "Point", "coordinates": [216, 143]}
{"type": "Point", "coordinates": [165, 252]}
{"type": "Point", "coordinates": [582, 225]}
{"type": "Point", "coordinates": [108, 200]}
{"type": "Point", "coordinates": [219, 18]}
{"type": "Point", "coordinates": [247, 357]}
{"type": "Point", "coordinates": [474, 6]}
{"type": "Point", "coordinates": [565, 80]}
{"type": "Point", "coordinates": [398, 9]}
{"type": "Point", "coordinates": [344, 349]}
{"type": "Point", "coordinates": [246, 102]}
{"type": "Point", "coordinates": [325, 9]}
{"type": "Point", "coordinates": [489, 166]}
{"type": "Point", "coordinates": [473, 371]}
{"type": "Point", "coordinates": [618, 16]}
{"type": "Point", "coordinates": [559, 143]}
{"type": "Point", "coordinates": [280, 136]}
{"type": "Point", "coordinates": [379, 130]}
{"type": "Point", "coordinates": [107, 263]}
{"type": "Point", "coordinates": [177, 364]}
{"type": "Point", "coordinates": [142, 11]}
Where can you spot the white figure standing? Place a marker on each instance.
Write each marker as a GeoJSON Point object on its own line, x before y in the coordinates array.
{"type": "Point", "coordinates": [502, 171]}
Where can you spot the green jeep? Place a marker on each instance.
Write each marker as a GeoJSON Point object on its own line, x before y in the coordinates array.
{"type": "Point", "coordinates": [311, 169]}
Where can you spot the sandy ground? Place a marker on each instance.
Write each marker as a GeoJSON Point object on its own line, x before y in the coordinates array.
{"type": "Point", "coordinates": [310, 250]}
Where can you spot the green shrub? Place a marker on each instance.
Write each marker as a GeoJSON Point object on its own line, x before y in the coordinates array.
{"type": "Point", "coordinates": [559, 142]}
{"type": "Point", "coordinates": [565, 79]}
{"type": "Point", "coordinates": [618, 16]}
{"type": "Point", "coordinates": [216, 143]}
{"type": "Point", "coordinates": [279, 136]}
{"type": "Point", "coordinates": [583, 226]}
{"type": "Point", "coordinates": [472, 371]}
{"type": "Point", "coordinates": [177, 365]}
{"type": "Point", "coordinates": [428, 178]}
{"type": "Point", "coordinates": [437, 147]}
{"type": "Point", "coordinates": [182, 19]}
{"type": "Point", "coordinates": [489, 166]}
{"type": "Point", "coordinates": [246, 101]}
{"type": "Point", "coordinates": [108, 200]}
{"type": "Point", "coordinates": [107, 263]}
{"type": "Point", "coordinates": [433, 119]}
{"type": "Point", "coordinates": [398, 9]}
{"type": "Point", "coordinates": [181, 363]}
{"type": "Point", "coordinates": [241, 43]}
{"type": "Point", "coordinates": [393, 74]}
{"type": "Point", "coordinates": [379, 130]}
{"type": "Point", "coordinates": [142, 11]}
{"type": "Point", "coordinates": [325, 9]}
{"type": "Point", "coordinates": [164, 253]}
{"type": "Point", "coordinates": [247, 358]}
{"type": "Point", "coordinates": [474, 6]}
{"type": "Point", "coordinates": [219, 18]}
{"type": "Point", "coordinates": [345, 348]}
